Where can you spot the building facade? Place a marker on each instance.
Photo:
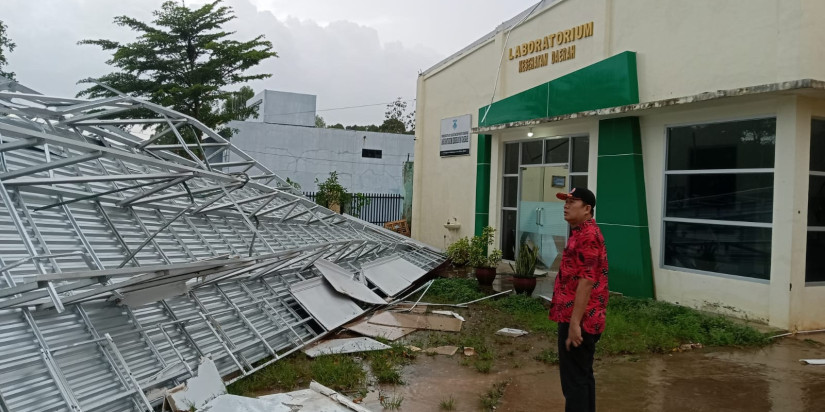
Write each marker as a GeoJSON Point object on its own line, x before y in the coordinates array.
{"type": "Point", "coordinates": [699, 126]}
{"type": "Point", "coordinates": [284, 139]}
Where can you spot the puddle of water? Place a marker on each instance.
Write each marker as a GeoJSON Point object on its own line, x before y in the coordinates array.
{"type": "Point", "coordinates": [768, 379]}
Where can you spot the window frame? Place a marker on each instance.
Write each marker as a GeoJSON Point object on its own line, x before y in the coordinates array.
{"type": "Point", "coordinates": [519, 167]}
{"type": "Point", "coordinates": [809, 229]}
{"type": "Point", "coordinates": [665, 219]}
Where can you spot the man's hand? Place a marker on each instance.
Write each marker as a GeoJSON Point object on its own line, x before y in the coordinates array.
{"type": "Point", "coordinates": [574, 336]}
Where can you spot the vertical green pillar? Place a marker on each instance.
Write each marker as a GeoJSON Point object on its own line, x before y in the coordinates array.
{"type": "Point", "coordinates": [482, 217]}
{"type": "Point", "coordinates": [621, 208]}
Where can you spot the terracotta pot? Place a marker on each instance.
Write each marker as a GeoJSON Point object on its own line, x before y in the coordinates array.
{"type": "Point", "coordinates": [485, 276]}
{"type": "Point", "coordinates": [525, 285]}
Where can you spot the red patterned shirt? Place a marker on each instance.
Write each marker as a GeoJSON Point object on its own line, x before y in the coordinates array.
{"type": "Point", "coordinates": [584, 257]}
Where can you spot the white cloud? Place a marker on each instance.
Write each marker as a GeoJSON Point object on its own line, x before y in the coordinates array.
{"type": "Point", "coordinates": [347, 53]}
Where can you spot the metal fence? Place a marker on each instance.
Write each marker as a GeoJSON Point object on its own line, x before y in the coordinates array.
{"type": "Point", "coordinates": [380, 208]}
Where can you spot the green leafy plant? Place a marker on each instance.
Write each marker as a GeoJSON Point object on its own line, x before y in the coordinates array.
{"type": "Point", "coordinates": [331, 192]}
{"type": "Point", "coordinates": [448, 404]}
{"type": "Point", "coordinates": [459, 252]}
{"type": "Point", "coordinates": [525, 261]}
{"type": "Point", "coordinates": [479, 244]}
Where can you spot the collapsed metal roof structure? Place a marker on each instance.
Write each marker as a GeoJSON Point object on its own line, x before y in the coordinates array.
{"type": "Point", "coordinates": [124, 260]}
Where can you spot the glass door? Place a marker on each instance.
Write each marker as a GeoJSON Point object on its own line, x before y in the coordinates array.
{"type": "Point", "coordinates": [540, 214]}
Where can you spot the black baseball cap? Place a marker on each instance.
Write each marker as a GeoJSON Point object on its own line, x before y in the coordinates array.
{"type": "Point", "coordinates": [582, 193]}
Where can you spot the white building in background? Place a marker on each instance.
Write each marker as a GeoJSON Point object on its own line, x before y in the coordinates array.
{"type": "Point", "coordinates": [284, 139]}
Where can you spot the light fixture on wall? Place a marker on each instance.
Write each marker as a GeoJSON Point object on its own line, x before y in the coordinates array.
{"type": "Point", "coordinates": [530, 132]}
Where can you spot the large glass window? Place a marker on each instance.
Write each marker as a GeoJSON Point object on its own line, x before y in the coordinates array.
{"type": "Point", "coordinates": [719, 197]}
{"type": "Point", "coordinates": [815, 261]}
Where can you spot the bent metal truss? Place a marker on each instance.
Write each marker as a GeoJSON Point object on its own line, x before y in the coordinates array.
{"type": "Point", "coordinates": [123, 260]}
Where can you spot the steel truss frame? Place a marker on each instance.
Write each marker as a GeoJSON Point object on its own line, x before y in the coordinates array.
{"type": "Point", "coordinates": [125, 258]}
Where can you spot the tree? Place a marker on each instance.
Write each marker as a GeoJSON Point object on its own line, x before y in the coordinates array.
{"type": "Point", "coordinates": [397, 119]}
{"type": "Point", "coordinates": [319, 121]}
{"type": "Point", "coordinates": [184, 60]}
{"type": "Point", "coordinates": [5, 43]}
{"type": "Point", "coordinates": [235, 104]}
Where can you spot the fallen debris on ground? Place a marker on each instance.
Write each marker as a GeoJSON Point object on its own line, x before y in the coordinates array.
{"type": "Point", "coordinates": [350, 345]}
{"type": "Point", "coordinates": [511, 332]}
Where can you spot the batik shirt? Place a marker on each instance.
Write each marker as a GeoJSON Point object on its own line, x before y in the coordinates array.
{"type": "Point", "coordinates": [584, 257]}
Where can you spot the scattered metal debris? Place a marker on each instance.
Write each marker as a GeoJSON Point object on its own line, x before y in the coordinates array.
{"type": "Point", "coordinates": [511, 332]}
{"type": "Point", "coordinates": [129, 249]}
{"type": "Point", "coordinates": [351, 345]}
{"type": "Point", "coordinates": [390, 333]}
{"type": "Point", "coordinates": [416, 321]}
{"type": "Point", "coordinates": [316, 398]}
{"type": "Point", "coordinates": [442, 350]}
{"type": "Point", "coordinates": [469, 351]}
{"type": "Point", "coordinates": [812, 361]}
{"type": "Point", "coordinates": [448, 313]}
{"type": "Point", "coordinates": [198, 390]}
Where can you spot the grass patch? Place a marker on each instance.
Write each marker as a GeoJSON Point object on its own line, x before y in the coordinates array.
{"type": "Point", "coordinates": [386, 364]}
{"type": "Point", "coordinates": [548, 356]}
{"type": "Point", "coordinates": [490, 399]}
{"type": "Point", "coordinates": [340, 372]}
{"type": "Point", "coordinates": [640, 325]}
{"type": "Point", "coordinates": [447, 404]}
{"type": "Point", "coordinates": [453, 290]}
{"type": "Point", "coordinates": [390, 402]}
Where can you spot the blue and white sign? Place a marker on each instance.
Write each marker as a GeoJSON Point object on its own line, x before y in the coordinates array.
{"type": "Point", "coordinates": [455, 135]}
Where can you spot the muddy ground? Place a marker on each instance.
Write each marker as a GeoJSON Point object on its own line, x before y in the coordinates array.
{"type": "Point", "coordinates": [707, 379]}
{"type": "Point", "coordinates": [766, 379]}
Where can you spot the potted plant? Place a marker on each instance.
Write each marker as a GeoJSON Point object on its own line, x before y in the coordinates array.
{"type": "Point", "coordinates": [524, 273]}
{"type": "Point", "coordinates": [459, 252]}
{"type": "Point", "coordinates": [484, 263]}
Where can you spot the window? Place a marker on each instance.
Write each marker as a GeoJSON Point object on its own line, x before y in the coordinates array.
{"type": "Point", "coordinates": [719, 197]}
{"type": "Point", "coordinates": [574, 151]}
{"type": "Point", "coordinates": [815, 260]}
{"type": "Point", "coordinates": [371, 153]}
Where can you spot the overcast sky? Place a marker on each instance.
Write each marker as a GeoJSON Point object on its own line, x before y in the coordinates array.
{"type": "Point", "coordinates": [348, 53]}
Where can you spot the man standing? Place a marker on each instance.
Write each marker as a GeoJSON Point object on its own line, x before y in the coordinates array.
{"type": "Point", "coordinates": [579, 300]}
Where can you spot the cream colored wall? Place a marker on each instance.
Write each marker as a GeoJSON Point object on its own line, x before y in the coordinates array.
{"type": "Point", "coordinates": [444, 187]}
{"type": "Point", "coordinates": [754, 299]}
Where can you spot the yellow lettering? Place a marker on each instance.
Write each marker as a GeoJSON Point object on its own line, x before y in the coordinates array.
{"type": "Point", "coordinates": [545, 44]}
{"type": "Point", "coordinates": [524, 49]}
{"type": "Point", "coordinates": [552, 38]}
{"type": "Point", "coordinates": [518, 52]}
{"type": "Point", "coordinates": [573, 51]}
{"type": "Point", "coordinates": [588, 29]}
{"type": "Point", "coordinates": [531, 47]}
{"type": "Point", "coordinates": [579, 32]}
{"type": "Point", "coordinates": [511, 53]}
{"type": "Point", "coordinates": [559, 38]}
{"type": "Point", "coordinates": [568, 35]}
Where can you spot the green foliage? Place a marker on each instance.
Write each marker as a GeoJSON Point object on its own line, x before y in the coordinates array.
{"type": "Point", "coordinates": [5, 43]}
{"type": "Point", "coordinates": [447, 404]}
{"type": "Point", "coordinates": [397, 119]}
{"type": "Point", "coordinates": [459, 251]}
{"type": "Point", "coordinates": [293, 183]}
{"type": "Point", "coordinates": [478, 250]}
{"type": "Point", "coordinates": [526, 261]}
{"type": "Point", "coordinates": [390, 402]}
{"type": "Point", "coordinates": [386, 364]}
{"type": "Point", "coordinates": [454, 290]}
{"type": "Point", "coordinates": [338, 372]}
{"type": "Point", "coordinates": [319, 121]}
{"type": "Point", "coordinates": [331, 192]}
{"type": "Point", "coordinates": [490, 399]}
{"type": "Point", "coordinates": [286, 375]}
{"type": "Point", "coordinates": [641, 325]}
{"type": "Point", "coordinates": [548, 356]}
{"type": "Point", "coordinates": [183, 59]}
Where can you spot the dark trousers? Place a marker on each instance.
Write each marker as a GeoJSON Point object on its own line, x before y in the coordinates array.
{"type": "Point", "coordinates": [576, 370]}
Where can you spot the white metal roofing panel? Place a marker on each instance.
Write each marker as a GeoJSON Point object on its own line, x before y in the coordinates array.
{"type": "Point", "coordinates": [342, 281]}
{"type": "Point", "coordinates": [329, 307]}
{"type": "Point", "coordinates": [392, 275]}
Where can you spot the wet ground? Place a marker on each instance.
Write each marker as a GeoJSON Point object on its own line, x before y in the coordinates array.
{"type": "Point", "coordinates": [768, 379]}
{"type": "Point", "coordinates": [707, 379]}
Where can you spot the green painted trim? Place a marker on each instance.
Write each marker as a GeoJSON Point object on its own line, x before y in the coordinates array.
{"type": "Point", "coordinates": [607, 83]}
{"type": "Point", "coordinates": [621, 209]}
{"type": "Point", "coordinates": [482, 215]}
